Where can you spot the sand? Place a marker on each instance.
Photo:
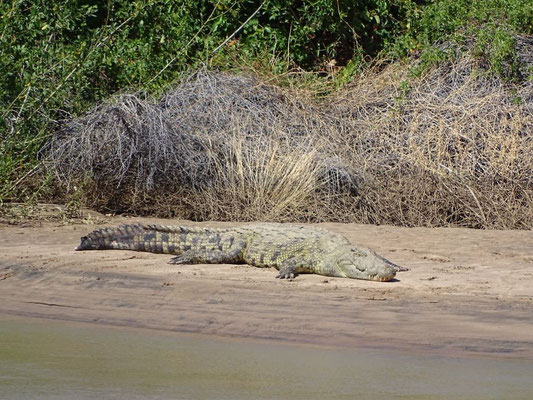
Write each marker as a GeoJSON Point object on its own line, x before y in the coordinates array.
{"type": "Point", "coordinates": [467, 293]}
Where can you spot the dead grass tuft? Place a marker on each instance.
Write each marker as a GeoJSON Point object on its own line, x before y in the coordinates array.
{"type": "Point", "coordinates": [455, 147]}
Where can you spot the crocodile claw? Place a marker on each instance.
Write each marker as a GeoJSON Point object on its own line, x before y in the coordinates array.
{"type": "Point", "coordinates": [287, 275]}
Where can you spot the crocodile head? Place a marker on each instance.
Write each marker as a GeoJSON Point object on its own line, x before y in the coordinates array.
{"type": "Point", "coordinates": [362, 263]}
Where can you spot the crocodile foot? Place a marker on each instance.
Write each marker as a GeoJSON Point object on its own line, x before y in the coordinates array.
{"type": "Point", "coordinates": [287, 273]}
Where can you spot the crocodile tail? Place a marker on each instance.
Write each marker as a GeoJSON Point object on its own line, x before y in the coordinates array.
{"type": "Point", "coordinates": [124, 237]}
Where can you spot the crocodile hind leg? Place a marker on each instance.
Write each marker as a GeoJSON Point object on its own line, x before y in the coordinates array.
{"type": "Point", "coordinates": [209, 256]}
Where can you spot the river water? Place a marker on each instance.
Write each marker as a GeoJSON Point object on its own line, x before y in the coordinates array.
{"type": "Point", "coordinates": [45, 359]}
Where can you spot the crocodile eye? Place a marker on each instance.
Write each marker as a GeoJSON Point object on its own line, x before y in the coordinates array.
{"type": "Point", "coordinates": [343, 259]}
{"type": "Point", "coordinates": [358, 253]}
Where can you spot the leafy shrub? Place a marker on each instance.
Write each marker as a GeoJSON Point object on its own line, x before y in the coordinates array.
{"type": "Point", "coordinates": [443, 27]}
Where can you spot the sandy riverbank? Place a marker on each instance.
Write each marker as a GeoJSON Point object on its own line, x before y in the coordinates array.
{"type": "Point", "coordinates": [467, 291]}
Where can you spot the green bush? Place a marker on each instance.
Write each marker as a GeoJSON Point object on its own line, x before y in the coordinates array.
{"type": "Point", "coordinates": [444, 26]}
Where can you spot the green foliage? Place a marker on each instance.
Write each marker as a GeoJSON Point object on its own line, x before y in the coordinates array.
{"type": "Point", "coordinates": [443, 26]}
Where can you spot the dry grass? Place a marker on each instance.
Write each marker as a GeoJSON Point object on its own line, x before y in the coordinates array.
{"type": "Point", "coordinates": [456, 148]}
{"type": "Point", "coordinates": [261, 181]}
{"type": "Point", "coordinates": [452, 148]}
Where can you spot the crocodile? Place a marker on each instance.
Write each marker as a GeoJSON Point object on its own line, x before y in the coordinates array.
{"type": "Point", "coordinates": [291, 249]}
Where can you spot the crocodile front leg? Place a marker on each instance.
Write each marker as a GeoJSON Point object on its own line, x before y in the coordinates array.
{"type": "Point", "coordinates": [290, 269]}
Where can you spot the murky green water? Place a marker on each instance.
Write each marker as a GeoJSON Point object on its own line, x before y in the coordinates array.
{"type": "Point", "coordinates": [55, 360]}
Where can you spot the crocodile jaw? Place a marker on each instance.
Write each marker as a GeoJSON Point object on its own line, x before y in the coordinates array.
{"type": "Point", "coordinates": [361, 263]}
